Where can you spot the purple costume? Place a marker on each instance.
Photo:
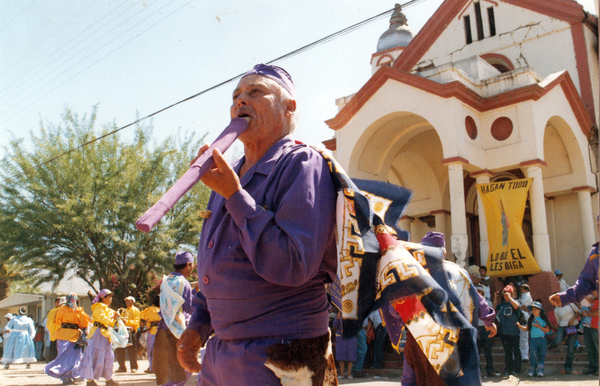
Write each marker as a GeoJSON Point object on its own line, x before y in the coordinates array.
{"type": "Point", "coordinates": [587, 282]}
{"type": "Point", "coordinates": [346, 350]}
{"type": "Point", "coordinates": [263, 258]}
{"type": "Point", "coordinates": [186, 308]}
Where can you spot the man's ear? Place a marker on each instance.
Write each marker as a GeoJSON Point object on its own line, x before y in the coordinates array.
{"type": "Point", "coordinates": [290, 106]}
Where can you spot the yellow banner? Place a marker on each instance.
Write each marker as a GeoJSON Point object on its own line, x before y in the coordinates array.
{"type": "Point", "coordinates": [504, 205]}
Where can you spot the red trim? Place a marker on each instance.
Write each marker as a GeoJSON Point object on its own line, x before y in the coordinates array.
{"type": "Point", "coordinates": [464, 94]}
{"type": "Point", "coordinates": [464, 9]}
{"type": "Point", "coordinates": [536, 161]}
{"type": "Point", "coordinates": [429, 34]}
{"type": "Point", "coordinates": [330, 144]}
{"type": "Point", "coordinates": [482, 172]}
{"type": "Point", "coordinates": [583, 69]}
{"type": "Point", "coordinates": [454, 160]}
{"type": "Point", "coordinates": [499, 56]}
{"type": "Point", "coordinates": [444, 211]}
{"type": "Point", "coordinates": [385, 56]}
{"type": "Point", "coordinates": [584, 188]}
{"type": "Point", "coordinates": [566, 10]}
{"type": "Point", "coordinates": [387, 51]}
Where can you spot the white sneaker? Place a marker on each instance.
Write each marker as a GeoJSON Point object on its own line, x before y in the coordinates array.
{"type": "Point", "coordinates": [350, 376]}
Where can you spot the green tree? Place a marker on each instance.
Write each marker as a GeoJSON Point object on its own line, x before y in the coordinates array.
{"type": "Point", "coordinates": [78, 212]}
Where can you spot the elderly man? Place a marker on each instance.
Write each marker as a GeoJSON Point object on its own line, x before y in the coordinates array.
{"type": "Point", "coordinates": [131, 319]}
{"type": "Point", "coordinates": [266, 251]}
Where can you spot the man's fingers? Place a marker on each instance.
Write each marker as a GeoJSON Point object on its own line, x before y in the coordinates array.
{"type": "Point", "coordinates": [188, 347]}
{"type": "Point", "coordinates": [219, 160]}
{"type": "Point", "coordinates": [200, 152]}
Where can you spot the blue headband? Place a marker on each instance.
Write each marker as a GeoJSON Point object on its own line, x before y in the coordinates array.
{"type": "Point", "coordinates": [275, 73]}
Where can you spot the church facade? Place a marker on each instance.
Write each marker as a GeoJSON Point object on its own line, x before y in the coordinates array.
{"type": "Point", "coordinates": [488, 90]}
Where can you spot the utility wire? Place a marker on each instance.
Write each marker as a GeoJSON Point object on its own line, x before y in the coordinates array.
{"type": "Point", "coordinates": [86, 68]}
{"type": "Point", "coordinates": [282, 57]}
{"type": "Point", "coordinates": [48, 37]}
{"type": "Point", "coordinates": [47, 65]}
{"type": "Point", "coordinates": [16, 17]}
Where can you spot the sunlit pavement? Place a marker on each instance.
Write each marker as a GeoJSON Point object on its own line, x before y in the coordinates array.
{"type": "Point", "coordinates": [18, 375]}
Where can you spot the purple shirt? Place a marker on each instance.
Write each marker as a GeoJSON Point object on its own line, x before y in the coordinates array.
{"type": "Point", "coordinates": [186, 307]}
{"type": "Point", "coordinates": [587, 282]}
{"type": "Point", "coordinates": [265, 254]}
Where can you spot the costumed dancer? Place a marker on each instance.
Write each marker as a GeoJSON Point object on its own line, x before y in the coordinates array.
{"type": "Point", "coordinates": [99, 356]}
{"type": "Point", "coordinates": [346, 350]}
{"type": "Point", "coordinates": [52, 327]}
{"type": "Point", "coordinates": [266, 251]}
{"type": "Point", "coordinates": [417, 370]}
{"type": "Point", "coordinates": [150, 318]}
{"type": "Point", "coordinates": [19, 347]}
{"type": "Point", "coordinates": [175, 309]}
{"type": "Point", "coordinates": [131, 319]}
{"type": "Point", "coordinates": [72, 322]}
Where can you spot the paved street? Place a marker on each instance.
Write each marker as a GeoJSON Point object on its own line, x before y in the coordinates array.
{"type": "Point", "coordinates": [17, 375]}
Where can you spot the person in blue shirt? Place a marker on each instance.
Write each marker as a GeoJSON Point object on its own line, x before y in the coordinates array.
{"type": "Point", "coordinates": [538, 326]}
{"type": "Point", "coordinates": [508, 315]}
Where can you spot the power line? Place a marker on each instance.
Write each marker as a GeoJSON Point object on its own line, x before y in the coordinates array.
{"type": "Point", "coordinates": [47, 65]}
{"type": "Point", "coordinates": [43, 41]}
{"type": "Point", "coordinates": [86, 68]}
{"type": "Point", "coordinates": [290, 54]}
{"type": "Point", "coordinates": [16, 17]}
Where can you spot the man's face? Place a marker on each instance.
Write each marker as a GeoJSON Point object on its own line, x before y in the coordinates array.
{"type": "Point", "coordinates": [56, 303]}
{"type": "Point", "coordinates": [475, 278]}
{"type": "Point", "coordinates": [128, 302]}
{"type": "Point", "coordinates": [482, 272]}
{"type": "Point", "coordinates": [260, 98]}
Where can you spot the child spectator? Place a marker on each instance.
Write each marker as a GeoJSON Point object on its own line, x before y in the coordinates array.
{"type": "Point", "coordinates": [38, 341]}
{"type": "Point", "coordinates": [537, 325]}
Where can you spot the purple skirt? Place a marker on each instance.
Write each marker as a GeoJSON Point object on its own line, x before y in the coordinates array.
{"type": "Point", "coordinates": [98, 358]}
{"type": "Point", "coordinates": [67, 362]}
{"type": "Point", "coordinates": [345, 349]}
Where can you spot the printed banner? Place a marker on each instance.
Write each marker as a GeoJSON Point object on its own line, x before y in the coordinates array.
{"type": "Point", "coordinates": [504, 205]}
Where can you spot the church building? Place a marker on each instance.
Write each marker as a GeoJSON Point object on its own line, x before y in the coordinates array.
{"type": "Point", "coordinates": [487, 91]}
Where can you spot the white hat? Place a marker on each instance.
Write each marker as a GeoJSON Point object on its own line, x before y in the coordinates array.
{"type": "Point", "coordinates": [130, 298]}
{"type": "Point", "coordinates": [62, 300]}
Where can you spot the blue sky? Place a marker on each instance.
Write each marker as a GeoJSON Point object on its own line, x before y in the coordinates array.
{"type": "Point", "coordinates": [140, 56]}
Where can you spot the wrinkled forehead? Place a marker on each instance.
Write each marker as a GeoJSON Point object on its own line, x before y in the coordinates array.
{"type": "Point", "coordinates": [249, 81]}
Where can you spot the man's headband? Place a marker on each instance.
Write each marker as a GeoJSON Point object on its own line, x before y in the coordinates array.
{"type": "Point", "coordinates": [275, 73]}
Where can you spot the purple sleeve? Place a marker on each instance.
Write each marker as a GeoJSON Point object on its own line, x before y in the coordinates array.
{"type": "Point", "coordinates": [187, 296]}
{"type": "Point", "coordinates": [286, 244]}
{"type": "Point", "coordinates": [200, 319]}
{"type": "Point", "coordinates": [586, 283]}
{"type": "Point", "coordinates": [486, 313]}
{"type": "Point", "coordinates": [337, 323]}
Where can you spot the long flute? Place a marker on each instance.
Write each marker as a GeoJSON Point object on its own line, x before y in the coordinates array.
{"type": "Point", "coordinates": [203, 164]}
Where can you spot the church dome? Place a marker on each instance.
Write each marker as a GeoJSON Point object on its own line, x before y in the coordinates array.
{"type": "Point", "coordinates": [398, 35]}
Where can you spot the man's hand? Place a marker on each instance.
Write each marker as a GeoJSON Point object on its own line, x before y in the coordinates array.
{"type": "Point", "coordinates": [555, 300]}
{"type": "Point", "coordinates": [188, 347]}
{"type": "Point", "coordinates": [492, 329]}
{"type": "Point", "coordinates": [222, 178]}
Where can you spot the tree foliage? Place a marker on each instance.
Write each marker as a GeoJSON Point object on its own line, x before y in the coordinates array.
{"type": "Point", "coordinates": [79, 211]}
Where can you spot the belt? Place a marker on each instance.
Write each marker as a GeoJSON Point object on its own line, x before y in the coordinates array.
{"type": "Point", "coordinates": [71, 326]}
{"type": "Point", "coordinates": [98, 324]}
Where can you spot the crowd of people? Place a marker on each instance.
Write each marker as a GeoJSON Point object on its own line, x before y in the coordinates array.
{"type": "Point", "coordinates": [86, 345]}
{"type": "Point", "coordinates": [527, 330]}
{"type": "Point", "coordinates": [260, 309]}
